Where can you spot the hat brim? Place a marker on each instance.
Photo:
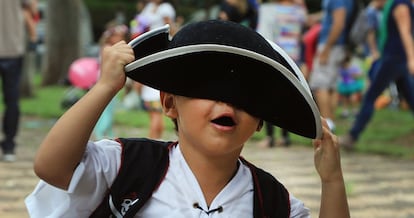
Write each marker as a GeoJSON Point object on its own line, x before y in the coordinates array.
{"type": "Point", "coordinates": [243, 78]}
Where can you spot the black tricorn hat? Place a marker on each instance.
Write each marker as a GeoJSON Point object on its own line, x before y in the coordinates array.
{"type": "Point", "coordinates": [227, 62]}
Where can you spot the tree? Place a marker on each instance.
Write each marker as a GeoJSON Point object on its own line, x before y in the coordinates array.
{"type": "Point", "coordinates": [63, 44]}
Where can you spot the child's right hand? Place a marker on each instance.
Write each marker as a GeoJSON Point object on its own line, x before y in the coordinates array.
{"type": "Point", "coordinates": [114, 59]}
{"type": "Point", "coordinates": [327, 156]}
{"type": "Point", "coordinates": [328, 164]}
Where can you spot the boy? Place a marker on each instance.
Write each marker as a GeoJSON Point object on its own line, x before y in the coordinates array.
{"type": "Point", "coordinates": [202, 174]}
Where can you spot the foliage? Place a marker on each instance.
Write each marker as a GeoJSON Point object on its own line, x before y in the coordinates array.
{"type": "Point", "coordinates": [47, 103]}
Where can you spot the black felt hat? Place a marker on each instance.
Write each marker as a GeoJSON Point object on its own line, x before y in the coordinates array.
{"type": "Point", "coordinates": [227, 62]}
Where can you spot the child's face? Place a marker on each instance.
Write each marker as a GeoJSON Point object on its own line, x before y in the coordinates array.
{"type": "Point", "coordinates": [212, 127]}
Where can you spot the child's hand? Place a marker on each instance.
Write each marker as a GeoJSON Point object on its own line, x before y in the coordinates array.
{"type": "Point", "coordinates": [327, 157]}
{"type": "Point", "coordinates": [114, 59]}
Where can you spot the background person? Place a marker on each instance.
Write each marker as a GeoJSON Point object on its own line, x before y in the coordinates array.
{"type": "Point", "coordinates": [350, 86]}
{"type": "Point", "coordinates": [396, 64]}
{"type": "Point", "coordinates": [282, 22]}
{"type": "Point", "coordinates": [15, 15]}
{"type": "Point", "coordinates": [330, 53]}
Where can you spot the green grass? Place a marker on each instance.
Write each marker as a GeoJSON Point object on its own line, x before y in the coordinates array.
{"type": "Point", "coordinates": [389, 132]}
{"type": "Point", "coordinates": [47, 103]}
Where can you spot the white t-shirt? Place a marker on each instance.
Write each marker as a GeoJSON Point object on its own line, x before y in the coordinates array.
{"type": "Point", "coordinates": [155, 16]}
{"type": "Point", "coordinates": [175, 196]}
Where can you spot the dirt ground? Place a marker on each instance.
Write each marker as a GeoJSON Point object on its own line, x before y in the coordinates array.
{"type": "Point", "coordinates": [377, 186]}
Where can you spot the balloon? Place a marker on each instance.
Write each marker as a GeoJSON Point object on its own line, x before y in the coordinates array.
{"type": "Point", "coordinates": [84, 72]}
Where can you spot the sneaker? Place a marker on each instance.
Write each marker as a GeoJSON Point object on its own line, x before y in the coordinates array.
{"type": "Point", "coordinates": [347, 142]}
{"type": "Point", "coordinates": [9, 157]}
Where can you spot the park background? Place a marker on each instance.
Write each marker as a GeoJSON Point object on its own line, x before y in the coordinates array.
{"type": "Point", "coordinates": [70, 29]}
{"type": "Point", "coordinates": [378, 174]}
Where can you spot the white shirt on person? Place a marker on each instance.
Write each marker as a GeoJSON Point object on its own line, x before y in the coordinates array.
{"type": "Point", "coordinates": [12, 28]}
{"type": "Point", "coordinates": [156, 14]}
{"type": "Point", "coordinates": [175, 197]}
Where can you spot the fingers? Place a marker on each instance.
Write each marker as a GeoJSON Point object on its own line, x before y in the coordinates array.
{"type": "Point", "coordinates": [328, 138]}
{"type": "Point", "coordinates": [316, 142]}
{"type": "Point", "coordinates": [114, 59]}
{"type": "Point", "coordinates": [123, 51]}
{"type": "Point", "coordinates": [327, 155]}
{"type": "Point", "coordinates": [324, 122]}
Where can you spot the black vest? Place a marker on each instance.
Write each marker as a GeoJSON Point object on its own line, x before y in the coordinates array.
{"type": "Point", "coordinates": [144, 164]}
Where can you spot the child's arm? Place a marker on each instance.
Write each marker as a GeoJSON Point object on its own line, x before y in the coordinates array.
{"type": "Point", "coordinates": [64, 145]}
{"type": "Point", "coordinates": [328, 164]}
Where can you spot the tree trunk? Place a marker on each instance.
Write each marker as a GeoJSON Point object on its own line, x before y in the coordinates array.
{"type": "Point", "coordinates": [29, 69]}
{"type": "Point", "coordinates": [62, 39]}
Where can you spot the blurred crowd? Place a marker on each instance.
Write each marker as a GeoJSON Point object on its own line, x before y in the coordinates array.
{"type": "Point", "coordinates": [356, 57]}
{"type": "Point", "coordinates": [342, 50]}
{"type": "Point", "coordinates": [338, 49]}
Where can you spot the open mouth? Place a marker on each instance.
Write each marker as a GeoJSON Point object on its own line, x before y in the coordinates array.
{"type": "Point", "coordinates": [224, 121]}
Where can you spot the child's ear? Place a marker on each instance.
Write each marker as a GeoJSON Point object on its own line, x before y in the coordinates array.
{"type": "Point", "coordinates": [259, 127]}
{"type": "Point", "coordinates": [168, 104]}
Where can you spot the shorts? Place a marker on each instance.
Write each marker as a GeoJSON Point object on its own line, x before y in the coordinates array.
{"type": "Point", "coordinates": [326, 76]}
{"type": "Point", "coordinates": [350, 88]}
{"type": "Point", "coordinates": [152, 106]}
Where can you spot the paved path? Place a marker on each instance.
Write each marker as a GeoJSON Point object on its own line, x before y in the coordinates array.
{"type": "Point", "coordinates": [377, 186]}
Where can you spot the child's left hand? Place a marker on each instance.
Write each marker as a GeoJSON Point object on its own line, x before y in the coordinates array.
{"type": "Point", "coordinates": [327, 156]}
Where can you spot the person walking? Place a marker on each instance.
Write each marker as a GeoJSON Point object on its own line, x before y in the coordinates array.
{"type": "Point", "coordinates": [14, 15]}
{"type": "Point", "coordinates": [330, 53]}
{"type": "Point", "coordinates": [282, 22]}
{"type": "Point", "coordinates": [374, 12]}
{"type": "Point", "coordinates": [396, 64]}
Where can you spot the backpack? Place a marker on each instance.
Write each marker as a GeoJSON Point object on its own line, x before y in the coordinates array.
{"type": "Point", "coordinates": [144, 165]}
{"type": "Point", "coordinates": [357, 10]}
{"type": "Point", "coordinates": [360, 28]}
